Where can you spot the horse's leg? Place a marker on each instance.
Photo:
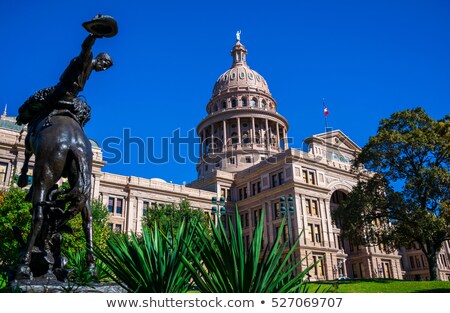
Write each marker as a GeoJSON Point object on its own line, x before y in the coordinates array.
{"type": "Point", "coordinates": [87, 228]}
{"type": "Point", "coordinates": [39, 192]}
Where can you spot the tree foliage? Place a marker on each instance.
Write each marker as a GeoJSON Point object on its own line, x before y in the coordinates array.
{"type": "Point", "coordinates": [407, 199]}
{"type": "Point", "coordinates": [14, 211]}
{"type": "Point", "coordinates": [76, 242]}
{"type": "Point", "coordinates": [170, 216]}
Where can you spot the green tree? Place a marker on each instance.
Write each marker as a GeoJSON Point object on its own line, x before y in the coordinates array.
{"type": "Point", "coordinates": [76, 242]}
{"type": "Point", "coordinates": [169, 217]}
{"type": "Point", "coordinates": [406, 197]}
{"type": "Point", "coordinates": [14, 211]}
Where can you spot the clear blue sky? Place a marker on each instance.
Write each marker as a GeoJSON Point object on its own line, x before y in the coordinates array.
{"type": "Point", "coordinates": [368, 59]}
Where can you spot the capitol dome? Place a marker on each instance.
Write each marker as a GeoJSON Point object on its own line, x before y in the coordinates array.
{"type": "Point", "coordinates": [240, 76]}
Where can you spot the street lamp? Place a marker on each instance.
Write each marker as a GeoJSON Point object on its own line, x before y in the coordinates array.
{"type": "Point", "coordinates": [291, 211]}
{"type": "Point", "coordinates": [219, 207]}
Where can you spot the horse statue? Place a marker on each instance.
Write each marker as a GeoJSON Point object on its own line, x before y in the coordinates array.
{"type": "Point", "coordinates": [56, 117]}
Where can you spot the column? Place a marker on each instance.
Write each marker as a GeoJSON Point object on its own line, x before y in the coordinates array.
{"type": "Point", "coordinates": [278, 134]}
{"type": "Point", "coordinates": [212, 138]}
{"type": "Point", "coordinates": [286, 145]}
{"type": "Point", "coordinates": [225, 137]}
{"type": "Point", "coordinates": [267, 139]}
{"type": "Point", "coordinates": [239, 129]}
{"type": "Point", "coordinates": [202, 144]}
{"type": "Point", "coordinates": [253, 131]}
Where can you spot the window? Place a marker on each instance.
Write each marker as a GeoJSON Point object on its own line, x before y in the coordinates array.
{"type": "Point", "coordinates": [311, 232]}
{"type": "Point", "coordinates": [3, 168]}
{"type": "Point", "coordinates": [274, 180]}
{"type": "Point", "coordinates": [276, 210]}
{"type": "Point", "coordinates": [339, 242]}
{"type": "Point", "coordinates": [411, 262]}
{"type": "Point", "coordinates": [318, 269]}
{"type": "Point", "coordinates": [115, 205]}
{"type": "Point", "coordinates": [119, 206]}
{"type": "Point", "coordinates": [317, 233]}
{"type": "Point", "coordinates": [314, 206]}
{"type": "Point", "coordinates": [111, 205]}
{"type": "Point", "coordinates": [146, 205]}
{"type": "Point", "coordinates": [245, 193]}
{"type": "Point", "coordinates": [280, 178]}
{"type": "Point", "coordinates": [118, 228]}
{"type": "Point", "coordinates": [314, 233]}
{"type": "Point", "coordinates": [240, 194]}
{"type": "Point", "coordinates": [305, 176]}
{"type": "Point", "coordinates": [244, 102]}
{"type": "Point", "coordinates": [232, 160]}
{"type": "Point", "coordinates": [253, 103]}
{"type": "Point", "coordinates": [308, 206]}
{"type": "Point", "coordinates": [224, 105]}
{"type": "Point", "coordinates": [233, 103]}
{"type": "Point", "coordinates": [248, 159]}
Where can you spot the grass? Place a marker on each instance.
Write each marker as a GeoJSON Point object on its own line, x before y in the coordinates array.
{"type": "Point", "coordinates": [381, 286]}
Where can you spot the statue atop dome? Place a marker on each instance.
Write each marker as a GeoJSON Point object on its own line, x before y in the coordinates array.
{"type": "Point", "coordinates": [238, 35]}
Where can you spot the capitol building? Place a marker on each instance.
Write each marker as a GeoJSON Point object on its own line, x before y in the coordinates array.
{"type": "Point", "coordinates": [245, 160]}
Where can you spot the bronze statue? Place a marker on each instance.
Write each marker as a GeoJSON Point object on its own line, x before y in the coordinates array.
{"type": "Point", "coordinates": [55, 118]}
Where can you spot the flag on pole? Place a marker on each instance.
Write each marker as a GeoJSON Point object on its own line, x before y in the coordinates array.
{"type": "Point", "coordinates": [325, 110]}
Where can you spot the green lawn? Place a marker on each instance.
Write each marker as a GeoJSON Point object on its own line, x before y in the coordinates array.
{"type": "Point", "coordinates": [380, 286]}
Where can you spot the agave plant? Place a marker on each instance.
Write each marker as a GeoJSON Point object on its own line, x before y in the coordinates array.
{"type": "Point", "coordinates": [224, 265]}
{"type": "Point", "coordinates": [151, 262]}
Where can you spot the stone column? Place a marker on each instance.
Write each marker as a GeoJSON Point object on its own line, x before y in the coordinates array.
{"type": "Point", "coordinates": [225, 137]}
{"type": "Point", "coordinates": [278, 134]}
{"type": "Point", "coordinates": [202, 145]}
{"type": "Point", "coordinates": [238, 119]}
{"type": "Point", "coordinates": [267, 139]}
{"type": "Point", "coordinates": [212, 136]}
{"type": "Point", "coordinates": [253, 131]}
{"type": "Point", "coordinates": [286, 144]}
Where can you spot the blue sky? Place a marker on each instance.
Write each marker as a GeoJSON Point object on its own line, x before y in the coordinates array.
{"type": "Point", "coordinates": [368, 59]}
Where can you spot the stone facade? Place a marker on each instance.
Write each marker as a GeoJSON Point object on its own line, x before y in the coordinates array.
{"type": "Point", "coordinates": [245, 158]}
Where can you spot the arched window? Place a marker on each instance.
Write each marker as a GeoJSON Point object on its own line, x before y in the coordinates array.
{"type": "Point", "coordinates": [233, 103]}
{"type": "Point", "coordinates": [244, 102]}
{"type": "Point", "coordinates": [253, 103]}
{"type": "Point", "coordinates": [224, 105]}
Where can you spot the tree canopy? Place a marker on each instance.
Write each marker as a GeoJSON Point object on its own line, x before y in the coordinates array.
{"type": "Point", "coordinates": [405, 198]}
{"type": "Point", "coordinates": [168, 217]}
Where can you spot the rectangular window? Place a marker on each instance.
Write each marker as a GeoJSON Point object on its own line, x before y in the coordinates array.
{"type": "Point", "coordinates": [276, 211]}
{"type": "Point", "coordinates": [274, 180]}
{"type": "Point", "coordinates": [314, 207]}
{"type": "Point", "coordinates": [119, 206]}
{"type": "Point", "coordinates": [245, 193]}
{"type": "Point", "coordinates": [411, 262]}
{"type": "Point", "coordinates": [258, 187]}
{"type": "Point", "coordinates": [3, 168]}
{"type": "Point", "coordinates": [280, 178]}
{"type": "Point", "coordinates": [312, 177]}
{"type": "Point", "coordinates": [305, 176]}
{"type": "Point", "coordinates": [311, 232]}
{"type": "Point", "coordinates": [248, 160]}
{"type": "Point", "coordinates": [317, 233]}
{"type": "Point", "coordinates": [254, 189]}
{"type": "Point", "coordinates": [240, 194]}
{"type": "Point", "coordinates": [339, 242]}
{"type": "Point", "coordinates": [246, 221]}
{"type": "Point", "coordinates": [308, 206]}
{"type": "Point", "coordinates": [232, 160]}
{"type": "Point", "coordinates": [146, 205]}
{"type": "Point", "coordinates": [111, 205]}
{"type": "Point", "coordinates": [118, 228]}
